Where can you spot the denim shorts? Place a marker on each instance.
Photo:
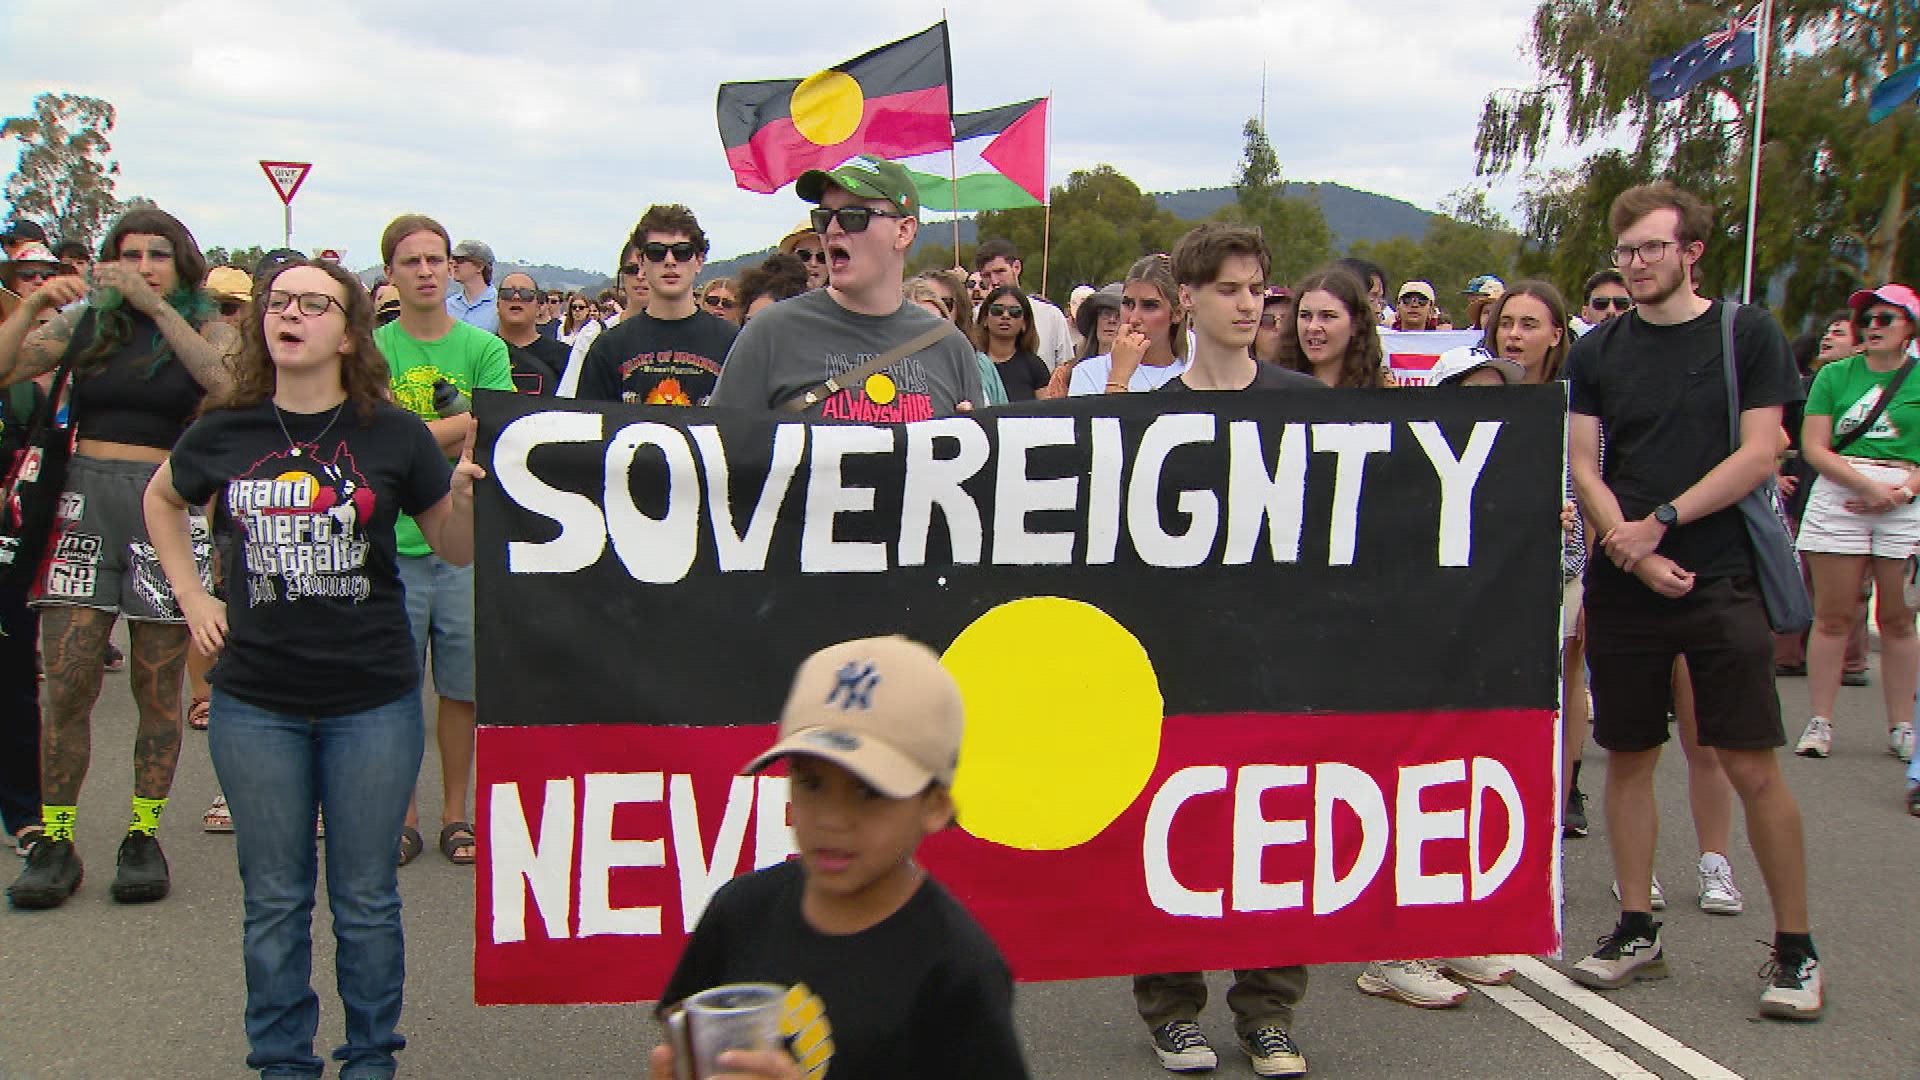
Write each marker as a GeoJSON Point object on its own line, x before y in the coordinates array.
{"type": "Point", "coordinates": [440, 610]}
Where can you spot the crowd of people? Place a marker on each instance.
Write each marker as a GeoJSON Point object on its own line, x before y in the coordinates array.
{"type": "Point", "coordinates": [272, 462]}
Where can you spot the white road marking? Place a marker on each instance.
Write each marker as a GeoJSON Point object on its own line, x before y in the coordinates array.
{"type": "Point", "coordinates": [1568, 1034]}
{"type": "Point", "coordinates": [1666, 1047]}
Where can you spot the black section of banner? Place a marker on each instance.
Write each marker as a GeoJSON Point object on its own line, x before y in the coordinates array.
{"type": "Point", "coordinates": [913, 63]}
{"type": "Point", "coordinates": [1393, 630]}
{"type": "Point", "coordinates": [990, 121]}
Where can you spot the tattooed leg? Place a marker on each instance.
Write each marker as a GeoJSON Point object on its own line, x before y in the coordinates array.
{"type": "Point", "coordinates": [156, 663]}
{"type": "Point", "coordinates": [73, 645]}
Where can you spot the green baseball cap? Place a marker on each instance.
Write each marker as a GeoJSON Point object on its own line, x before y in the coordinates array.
{"type": "Point", "coordinates": [869, 178]}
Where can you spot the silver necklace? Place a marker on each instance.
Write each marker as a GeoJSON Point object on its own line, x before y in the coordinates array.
{"type": "Point", "coordinates": [293, 447]}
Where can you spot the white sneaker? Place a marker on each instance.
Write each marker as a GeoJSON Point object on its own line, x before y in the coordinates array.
{"type": "Point", "coordinates": [1659, 894]}
{"type": "Point", "coordinates": [1485, 970]}
{"type": "Point", "coordinates": [1817, 739]}
{"type": "Point", "coordinates": [1415, 982]}
{"type": "Point", "coordinates": [1900, 742]}
{"type": "Point", "coordinates": [1795, 989]}
{"type": "Point", "coordinates": [1623, 956]}
{"type": "Point", "coordinates": [1718, 896]}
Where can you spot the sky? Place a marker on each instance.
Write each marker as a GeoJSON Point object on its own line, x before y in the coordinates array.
{"type": "Point", "coordinates": [547, 129]}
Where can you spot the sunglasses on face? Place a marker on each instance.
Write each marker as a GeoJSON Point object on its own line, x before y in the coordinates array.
{"type": "Point", "coordinates": [853, 219]}
{"type": "Point", "coordinates": [577, 307]}
{"type": "Point", "coordinates": [629, 269]}
{"type": "Point", "coordinates": [658, 252]}
{"type": "Point", "coordinates": [231, 308]}
{"type": "Point", "coordinates": [1879, 320]}
{"type": "Point", "coordinates": [311, 304]}
{"type": "Point", "coordinates": [1616, 303]}
{"type": "Point", "coordinates": [724, 303]}
{"type": "Point", "coordinates": [37, 275]}
{"type": "Point", "coordinates": [1413, 300]}
{"type": "Point", "coordinates": [1005, 311]}
{"type": "Point", "coordinates": [518, 294]}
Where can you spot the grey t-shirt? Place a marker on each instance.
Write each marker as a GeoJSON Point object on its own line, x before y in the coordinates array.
{"type": "Point", "coordinates": [799, 343]}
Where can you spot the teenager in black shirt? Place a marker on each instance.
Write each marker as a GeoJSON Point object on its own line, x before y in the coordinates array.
{"type": "Point", "coordinates": [668, 352]}
{"type": "Point", "coordinates": [316, 695]}
{"type": "Point", "coordinates": [909, 983]}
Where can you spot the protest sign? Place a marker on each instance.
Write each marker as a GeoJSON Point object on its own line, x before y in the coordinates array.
{"type": "Point", "coordinates": [1412, 354]}
{"type": "Point", "coordinates": [1251, 679]}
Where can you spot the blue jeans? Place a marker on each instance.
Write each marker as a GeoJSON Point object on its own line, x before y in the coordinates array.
{"type": "Point", "coordinates": [277, 771]}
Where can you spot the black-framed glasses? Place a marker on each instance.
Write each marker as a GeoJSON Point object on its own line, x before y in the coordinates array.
{"type": "Point", "coordinates": [723, 302]}
{"type": "Point", "coordinates": [577, 307]}
{"type": "Point", "coordinates": [1006, 311]}
{"type": "Point", "coordinates": [519, 294]}
{"type": "Point", "coordinates": [853, 219]}
{"type": "Point", "coordinates": [684, 251]}
{"type": "Point", "coordinates": [1613, 303]}
{"type": "Point", "coordinates": [1413, 299]}
{"type": "Point", "coordinates": [1879, 320]}
{"type": "Point", "coordinates": [629, 269]}
{"type": "Point", "coordinates": [1650, 252]}
{"type": "Point", "coordinates": [230, 308]}
{"type": "Point", "coordinates": [811, 255]}
{"type": "Point", "coordinates": [313, 304]}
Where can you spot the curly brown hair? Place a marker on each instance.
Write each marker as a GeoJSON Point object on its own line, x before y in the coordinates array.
{"type": "Point", "coordinates": [364, 374]}
{"type": "Point", "coordinates": [1363, 366]}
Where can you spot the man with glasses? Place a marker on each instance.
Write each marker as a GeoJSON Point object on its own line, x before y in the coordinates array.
{"type": "Point", "coordinates": [546, 321]}
{"type": "Point", "coordinates": [1607, 298]}
{"type": "Point", "coordinates": [1414, 308]}
{"type": "Point", "coordinates": [1678, 577]}
{"type": "Point", "coordinates": [805, 244]}
{"type": "Point", "coordinates": [669, 351]}
{"type": "Point", "coordinates": [998, 263]}
{"type": "Point", "coordinates": [537, 359]}
{"type": "Point", "coordinates": [474, 302]}
{"type": "Point", "coordinates": [867, 215]}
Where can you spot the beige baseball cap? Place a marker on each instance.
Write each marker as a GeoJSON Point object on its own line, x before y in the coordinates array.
{"type": "Point", "coordinates": [882, 708]}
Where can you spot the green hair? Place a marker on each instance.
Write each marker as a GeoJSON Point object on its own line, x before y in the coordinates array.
{"type": "Point", "coordinates": [113, 326]}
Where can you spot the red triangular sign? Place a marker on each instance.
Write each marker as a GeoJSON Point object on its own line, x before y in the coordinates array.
{"type": "Point", "coordinates": [286, 176]}
{"type": "Point", "coordinates": [1020, 152]}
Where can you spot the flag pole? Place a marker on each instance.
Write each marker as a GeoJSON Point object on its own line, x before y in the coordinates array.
{"type": "Point", "coordinates": [953, 161]}
{"type": "Point", "coordinates": [1046, 188]}
{"type": "Point", "coordinates": [1759, 137]}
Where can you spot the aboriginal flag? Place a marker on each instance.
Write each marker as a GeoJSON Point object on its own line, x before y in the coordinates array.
{"type": "Point", "coordinates": [893, 102]}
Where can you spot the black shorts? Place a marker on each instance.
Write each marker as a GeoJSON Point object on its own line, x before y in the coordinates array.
{"type": "Point", "coordinates": [1721, 628]}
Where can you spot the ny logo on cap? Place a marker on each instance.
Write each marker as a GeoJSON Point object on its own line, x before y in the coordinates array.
{"type": "Point", "coordinates": [853, 686]}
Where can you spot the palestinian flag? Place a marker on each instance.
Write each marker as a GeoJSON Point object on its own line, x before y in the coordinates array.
{"type": "Point", "coordinates": [1000, 161]}
{"type": "Point", "coordinates": [894, 102]}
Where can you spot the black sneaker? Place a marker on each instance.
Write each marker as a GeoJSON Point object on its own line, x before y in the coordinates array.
{"type": "Point", "coordinates": [1575, 824]}
{"type": "Point", "coordinates": [52, 874]}
{"type": "Point", "coordinates": [1183, 1047]}
{"type": "Point", "coordinates": [1272, 1052]}
{"type": "Point", "coordinates": [142, 874]}
{"type": "Point", "coordinates": [1624, 955]}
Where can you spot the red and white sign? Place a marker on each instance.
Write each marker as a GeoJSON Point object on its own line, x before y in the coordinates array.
{"type": "Point", "coordinates": [286, 177]}
{"type": "Point", "coordinates": [1412, 354]}
{"type": "Point", "coordinates": [1260, 840]}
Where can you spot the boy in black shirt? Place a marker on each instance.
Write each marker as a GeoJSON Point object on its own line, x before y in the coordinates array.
{"type": "Point", "coordinates": [891, 976]}
{"type": "Point", "coordinates": [669, 352]}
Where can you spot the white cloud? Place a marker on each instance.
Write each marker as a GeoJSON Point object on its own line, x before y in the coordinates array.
{"type": "Point", "coordinates": [546, 129]}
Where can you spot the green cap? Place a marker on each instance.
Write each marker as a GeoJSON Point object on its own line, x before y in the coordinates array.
{"type": "Point", "coordinates": [869, 178]}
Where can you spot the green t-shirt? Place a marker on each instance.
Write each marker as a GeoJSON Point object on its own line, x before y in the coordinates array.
{"type": "Point", "coordinates": [468, 357]}
{"type": "Point", "coordinates": [1848, 389]}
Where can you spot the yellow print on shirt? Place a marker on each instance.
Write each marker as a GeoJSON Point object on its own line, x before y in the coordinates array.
{"type": "Point", "coordinates": [809, 1037]}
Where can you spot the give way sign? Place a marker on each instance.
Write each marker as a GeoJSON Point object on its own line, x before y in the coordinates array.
{"type": "Point", "coordinates": [287, 176]}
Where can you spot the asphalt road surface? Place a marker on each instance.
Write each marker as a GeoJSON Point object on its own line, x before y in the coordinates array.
{"type": "Point", "coordinates": [98, 991]}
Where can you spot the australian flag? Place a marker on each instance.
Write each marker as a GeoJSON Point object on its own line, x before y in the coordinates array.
{"type": "Point", "coordinates": [1722, 50]}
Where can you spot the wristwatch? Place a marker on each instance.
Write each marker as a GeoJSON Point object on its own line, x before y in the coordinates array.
{"type": "Point", "coordinates": [1666, 515]}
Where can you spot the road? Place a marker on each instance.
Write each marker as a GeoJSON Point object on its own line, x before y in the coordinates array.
{"type": "Point", "coordinates": [98, 991]}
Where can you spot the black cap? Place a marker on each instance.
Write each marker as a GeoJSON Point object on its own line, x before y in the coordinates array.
{"type": "Point", "coordinates": [20, 229]}
{"type": "Point", "coordinates": [272, 261]}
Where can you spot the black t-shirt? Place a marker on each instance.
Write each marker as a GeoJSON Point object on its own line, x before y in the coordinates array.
{"type": "Point", "coordinates": [649, 361]}
{"type": "Point", "coordinates": [1023, 374]}
{"type": "Point", "coordinates": [1265, 377]}
{"type": "Point", "coordinates": [316, 615]}
{"type": "Point", "coordinates": [126, 398]}
{"type": "Point", "coordinates": [923, 994]}
{"type": "Point", "coordinates": [537, 367]}
{"type": "Point", "coordinates": [1660, 394]}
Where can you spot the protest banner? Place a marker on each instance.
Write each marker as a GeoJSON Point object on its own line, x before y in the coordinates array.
{"type": "Point", "coordinates": [1251, 679]}
{"type": "Point", "coordinates": [1412, 354]}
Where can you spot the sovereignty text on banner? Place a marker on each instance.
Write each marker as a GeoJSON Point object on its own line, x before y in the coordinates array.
{"type": "Point", "coordinates": [1251, 679]}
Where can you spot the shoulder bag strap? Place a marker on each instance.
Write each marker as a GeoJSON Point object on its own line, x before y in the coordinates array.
{"type": "Point", "coordinates": [814, 395]}
{"type": "Point", "coordinates": [1886, 399]}
{"type": "Point", "coordinates": [1728, 309]}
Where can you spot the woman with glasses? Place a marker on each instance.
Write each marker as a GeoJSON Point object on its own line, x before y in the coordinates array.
{"type": "Point", "coordinates": [146, 347]}
{"type": "Point", "coordinates": [1151, 348]}
{"type": "Point", "coordinates": [316, 703]}
{"type": "Point", "coordinates": [722, 300]}
{"type": "Point", "coordinates": [1005, 333]}
{"type": "Point", "coordinates": [1862, 434]}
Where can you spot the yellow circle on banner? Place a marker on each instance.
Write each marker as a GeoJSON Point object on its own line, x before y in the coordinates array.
{"type": "Point", "coordinates": [827, 107]}
{"type": "Point", "coordinates": [880, 389]}
{"type": "Point", "coordinates": [1058, 746]}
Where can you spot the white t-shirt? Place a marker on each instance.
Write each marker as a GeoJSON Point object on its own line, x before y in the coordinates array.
{"type": "Point", "coordinates": [1056, 335]}
{"type": "Point", "coordinates": [1090, 376]}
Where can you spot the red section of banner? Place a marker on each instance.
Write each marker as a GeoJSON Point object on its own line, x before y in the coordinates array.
{"type": "Point", "coordinates": [286, 177]}
{"type": "Point", "coordinates": [1285, 839]}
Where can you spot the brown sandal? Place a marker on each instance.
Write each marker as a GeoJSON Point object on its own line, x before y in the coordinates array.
{"type": "Point", "coordinates": [456, 836]}
{"type": "Point", "coordinates": [410, 844]}
{"type": "Point", "coordinates": [198, 712]}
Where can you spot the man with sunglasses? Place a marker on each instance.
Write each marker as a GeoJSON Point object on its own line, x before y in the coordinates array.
{"type": "Point", "coordinates": [668, 352]}
{"type": "Point", "coordinates": [546, 320]}
{"type": "Point", "coordinates": [1415, 309]}
{"type": "Point", "coordinates": [1679, 576]}
{"type": "Point", "coordinates": [537, 359]}
{"type": "Point", "coordinates": [1607, 298]}
{"type": "Point", "coordinates": [867, 214]}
